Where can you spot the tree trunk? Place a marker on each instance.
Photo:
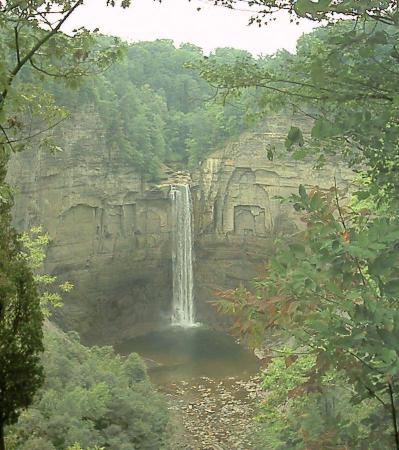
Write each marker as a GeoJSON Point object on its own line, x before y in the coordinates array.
{"type": "Point", "coordinates": [2, 443]}
{"type": "Point", "coordinates": [393, 412]}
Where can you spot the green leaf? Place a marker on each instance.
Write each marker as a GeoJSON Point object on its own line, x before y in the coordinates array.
{"type": "Point", "coordinates": [309, 7]}
{"type": "Point", "coordinates": [297, 248]}
{"type": "Point", "coordinates": [392, 288]}
{"type": "Point", "coordinates": [383, 264]}
{"type": "Point", "coordinates": [302, 192]}
{"type": "Point", "coordinates": [316, 201]}
{"type": "Point", "coordinates": [322, 129]}
{"type": "Point", "coordinates": [294, 137]}
{"type": "Point", "coordinates": [317, 72]}
{"type": "Point", "coordinates": [377, 38]}
{"type": "Point", "coordinates": [388, 355]}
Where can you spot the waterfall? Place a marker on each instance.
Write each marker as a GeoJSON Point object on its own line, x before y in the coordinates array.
{"type": "Point", "coordinates": [182, 256]}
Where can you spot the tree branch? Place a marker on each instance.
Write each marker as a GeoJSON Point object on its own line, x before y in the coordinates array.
{"type": "Point", "coordinates": [393, 413]}
{"type": "Point", "coordinates": [7, 138]}
{"type": "Point", "coordinates": [34, 49]}
{"type": "Point", "coordinates": [31, 136]}
{"type": "Point", "coordinates": [17, 44]}
{"type": "Point", "coordinates": [342, 220]}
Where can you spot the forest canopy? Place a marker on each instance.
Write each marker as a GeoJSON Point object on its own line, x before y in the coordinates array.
{"type": "Point", "coordinates": [156, 110]}
{"type": "Point", "coordinates": [91, 397]}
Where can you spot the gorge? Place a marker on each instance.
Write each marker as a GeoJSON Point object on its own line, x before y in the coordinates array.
{"type": "Point", "coordinates": [111, 231]}
{"type": "Point", "coordinates": [126, 245]}
{"type": "Point", "coordinates": [199, 251]}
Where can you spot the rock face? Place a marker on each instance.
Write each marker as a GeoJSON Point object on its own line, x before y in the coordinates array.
{"type": "Point", "coordinates": [111, 231]}
{"type": "Point", "coordinates": [237, 214]}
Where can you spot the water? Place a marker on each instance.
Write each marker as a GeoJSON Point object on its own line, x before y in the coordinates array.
{"type": "Point", "coordinates": [186, 350]}
{"type": "Point", "coordinates": [183, 313]}
{"type": "Point", "coordinates": [177, 353]}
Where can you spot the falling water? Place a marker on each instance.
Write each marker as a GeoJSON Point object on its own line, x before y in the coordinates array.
{"type": "Point", "coordinates": [182, 255]}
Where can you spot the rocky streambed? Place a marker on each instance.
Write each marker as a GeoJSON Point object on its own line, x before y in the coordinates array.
{"type": "Point", "coordinates": [210, 382]}
{"type": "Point", "coordinates": [213, 414]}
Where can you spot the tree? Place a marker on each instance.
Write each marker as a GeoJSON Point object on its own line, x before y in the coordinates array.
{"type": "Point", "coordinates": [34, 243]}
{"type": "Point", "coordinates": [334, 286]}
{"type": "Point", "coordinates": [91, 396]}
{"type": "Point", "coordinates": [30, 35]}
{"type": "Point", "coordinates": [343, 77]}
{"type": "Point", "coordinates": [154, 110]}
{"type": "Point", "coordinates": [334, 289]}
{"type": "Point", "coordinates": [385, 11]}
{"type": "Point", "coordinates": [20, 328]}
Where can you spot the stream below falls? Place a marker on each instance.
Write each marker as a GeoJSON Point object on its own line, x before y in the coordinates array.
{"type": "Point", "coordinates": [210, 381]}
{"type": "Point", "coordinates": [177, 353]}
{"type": "Point", "coordinates": [208, 378]}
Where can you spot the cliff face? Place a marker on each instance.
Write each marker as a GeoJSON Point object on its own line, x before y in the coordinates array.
{"type": "Point", "coordinates": [237, 214]}
{"type": "Point", "coordinates": [111, 231]}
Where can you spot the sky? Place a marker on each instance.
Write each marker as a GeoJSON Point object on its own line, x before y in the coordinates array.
{"type": "Point", "coordinates": [179, 20]}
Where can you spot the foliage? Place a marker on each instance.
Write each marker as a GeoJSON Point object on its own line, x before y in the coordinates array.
{"type": "Point", "coordinates": [78, 447]}
{"type": "Point", "coordinates": [31, 39]}
{"type": "Point", "coordinates": [108, 399]}
{"type": "Point", "coordinates": [321, 416]}
{"type": "Point", "coordinates": [93, 397]}
{"type": "Point", "coordinates": [385, 11]}
{"type": "Point", "coordinates": [334, 289]}
{"type": "Point", "coordinates": [20, 327]}
{"type": "Point", "coordinates": [34, 243]}
{"type": "Point", "coordinates": [152, 107]}
{"type": "Point", "coordinates": [343, 77]}
{"type": "Point", "coordinates": [29, 35]}
{"type": "Point", "coordinates": [334, 286]}
{"type": "Point", "coordinates": [155, 110]}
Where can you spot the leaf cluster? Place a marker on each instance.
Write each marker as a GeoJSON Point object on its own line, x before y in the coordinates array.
{"type": "Point", "coordinates": [34, 245]}
{"type": "Point", "coordinates": [263, 11]}
{"type": "Point", "coordinates": [321, 416]}
{"type": "Point", "coordinates": [92, 397]}
{"type": "Point", "coordinates": [334, 290]}
{"type": "Point", "coordinates": [33, 48]}
{"type": "Point", "coordinates": [343, 78]}
{"type": "Point", "coordinates": [20, 325]}
{"type": "Point", "coordinates": [155, 110]}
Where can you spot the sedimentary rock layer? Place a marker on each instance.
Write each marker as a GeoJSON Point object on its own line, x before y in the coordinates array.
{"type": "Point", "coordinates": [111, 231]}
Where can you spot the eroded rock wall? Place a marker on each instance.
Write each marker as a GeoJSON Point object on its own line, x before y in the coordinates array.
{"type": "Point", "coordinates": [237, 214]}
{"type": "Point", "coordinates": [110, 231]}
